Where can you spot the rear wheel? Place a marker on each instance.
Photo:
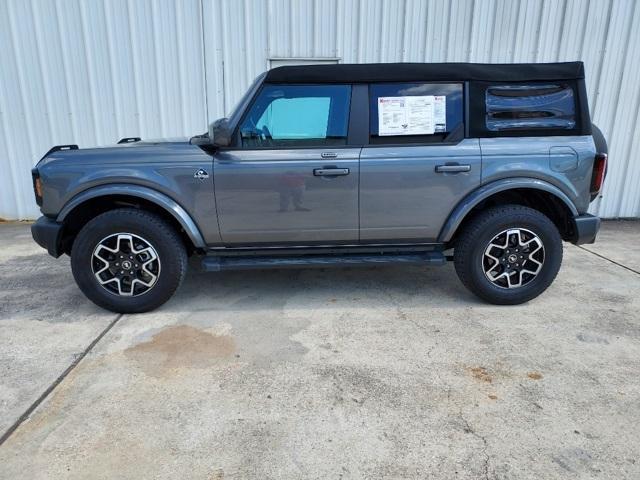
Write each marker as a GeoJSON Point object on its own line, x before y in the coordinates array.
{"type": "Point", "coordinates": [128, 260]}
{"type": "Point", "coordinates": [508, 255]}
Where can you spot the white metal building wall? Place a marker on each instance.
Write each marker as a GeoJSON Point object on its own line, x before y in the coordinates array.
{"type": "Point", "coordinates": [93, 71]}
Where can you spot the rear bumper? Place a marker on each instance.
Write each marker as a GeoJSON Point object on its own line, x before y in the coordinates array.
{"type": "Point", "coordinates": [585, 229]}
{"type": "Point", "coordinates": [48, 234]}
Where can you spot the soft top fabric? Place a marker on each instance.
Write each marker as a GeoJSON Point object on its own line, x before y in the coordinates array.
{"type": "Point", "coordinates": [416, 72]}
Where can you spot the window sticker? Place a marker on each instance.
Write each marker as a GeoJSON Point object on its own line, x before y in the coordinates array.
{"type": "Point", "coordinates": [413, 115]}
{"type": "Point", "coordinates": [440, 113]}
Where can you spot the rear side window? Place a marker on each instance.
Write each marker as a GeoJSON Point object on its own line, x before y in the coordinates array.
{"type": "Point", "coordinates": [530, 106]}
{"type": "Point", "coordinates": [297, 116]}
{"type": "Point", "coordinates": [527, 109]}
{"type": "Point", "coordinates": [414, 112]}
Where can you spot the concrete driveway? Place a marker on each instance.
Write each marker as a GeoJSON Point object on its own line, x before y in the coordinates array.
{"type": "Point", "coordinates": [348, 373]}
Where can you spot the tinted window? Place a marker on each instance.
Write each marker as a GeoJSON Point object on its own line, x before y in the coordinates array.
{"type": "Point", "coordinates": [297, 115]}
{"type": "Point", "coordinates": [532, 106]}
{"type": "Point", "coordinates": [447, 116]}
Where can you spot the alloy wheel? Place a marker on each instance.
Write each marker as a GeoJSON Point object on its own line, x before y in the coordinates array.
{"type": "Point", "coordinates": [513, 258]}
{"type": "Point", "coordinates": [126, 264]}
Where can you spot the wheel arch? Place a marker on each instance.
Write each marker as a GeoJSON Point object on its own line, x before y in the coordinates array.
{"type": "Point", "coordinates": [534, 193]}
{"type": "Point", "coordinates": [96, 200]}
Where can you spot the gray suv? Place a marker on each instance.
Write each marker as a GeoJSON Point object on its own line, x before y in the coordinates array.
{"type": "Point", "coordinates": [490, 166]}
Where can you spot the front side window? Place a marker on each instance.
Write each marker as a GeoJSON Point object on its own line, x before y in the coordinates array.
{"type": "Point", "coordinates": [414, 112]}
{"type": "Point", "coordinates": [297, 116]}
{"type": "Point", "coordinates": [530, 107]}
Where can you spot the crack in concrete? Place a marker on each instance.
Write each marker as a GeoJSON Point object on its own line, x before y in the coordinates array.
{"type": "Point", "coordinates": [469, 429]}
{"type": "Point", "coordinates": [608, 259]}
{"type": "Point", "coordinates": [77, 358]}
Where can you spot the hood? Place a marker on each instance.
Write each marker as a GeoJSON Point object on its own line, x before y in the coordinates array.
{"type": "Point", "coordinates": [124, 150]}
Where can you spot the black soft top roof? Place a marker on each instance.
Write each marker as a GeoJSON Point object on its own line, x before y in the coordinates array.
{"type": "Point", "coordinates": [409, 72]}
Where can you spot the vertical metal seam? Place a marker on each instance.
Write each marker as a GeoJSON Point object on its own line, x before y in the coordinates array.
{"type": "Point", "coordinates": [117, 100]}
{"type": "Point", "coordinates": [65, 70]}
{"type": "Point", "coordinates": [17, 184]}
{"type": "Point", "coordinates": [583, 33]}
{"type": "Point", "coordinates": [538, 31]}
{"type": "Point", "coordinates": [493, 27]}
{"type": "Point", "coordinates": [205, 83]}
{"type": "Point", "coordinates": [223, 65]}
{"type": "Point", "coordinates": [596, 97]}
{"type": "Point", "coordinates": [136, 77]}
{"type": "Point", "coordinates": [290, 22]}
{"type": "Point", "coordinates": [179, 64]}
{"type": "Point", "coordinates": [44, 74]}
{"type": "Point", "coordinates": [11, 156]}
{"type": "Point", "coordinates": [380, 36]}
{"type": "Point", "coordinates": [563, 18]}
{"type": "Point", "coordinates": [515, 31]}
{"type": "Point", "coordinates": [625, 148]}
{"type": "Point", "coordinates": [627, 180]}
{"type": "Point", "coordinates": [339, 29]}
{"type": "Point", "coordinates": [87, 58]}
{"type": "Point", "coordinates": [471, 30]}
{"type": "Point", "coordinates": [154, 33]}
{"type": "Point", "coordinates": [314, 5]}
{"type": "Point", "coordinates": [357, 55]}
{"type": "Point", "coordinates": [403, 38]}
{"type": "Point", "coordinates": [247, 35]}
{"type": "Point", "coordinates": [448, 34]}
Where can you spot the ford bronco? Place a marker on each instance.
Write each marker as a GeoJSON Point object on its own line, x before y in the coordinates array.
{"type": "Point", "coordinates": [491, 166]}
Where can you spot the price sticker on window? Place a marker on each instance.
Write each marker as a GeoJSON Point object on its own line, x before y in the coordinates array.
{"type": "Point", "coordinates": [411, 115]}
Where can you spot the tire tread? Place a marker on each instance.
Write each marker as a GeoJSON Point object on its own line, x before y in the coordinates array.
{"type": "Point", "coordinates": [468, 239]}
{"type": "Point", "coordinates": [150, 300]}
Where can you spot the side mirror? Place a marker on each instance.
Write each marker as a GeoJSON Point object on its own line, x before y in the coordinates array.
{"type": "Point", "coordinates": [219, 132]}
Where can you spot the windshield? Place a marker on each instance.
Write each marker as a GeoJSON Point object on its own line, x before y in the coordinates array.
{"type": "Point", "coordinates": [236, 110]}
{"type": "Point", "coordinates": [235, 113]}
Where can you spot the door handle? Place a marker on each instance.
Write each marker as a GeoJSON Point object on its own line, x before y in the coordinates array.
{"type": "Point", "coordinates": [329, 155]}
{"type": "Point", "coordinates": [330, 172]}
{"type": "Point", "coordinates": [455, 168]}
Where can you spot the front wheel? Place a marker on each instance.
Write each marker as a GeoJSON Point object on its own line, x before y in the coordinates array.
{"type": "Point", "coordinates": [508, 255]}
{"type": "Point", "coordinates": [128, 260]}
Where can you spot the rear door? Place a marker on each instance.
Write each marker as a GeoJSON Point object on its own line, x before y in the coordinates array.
{"type": "Point", "coordinates": [292, 179]}
{"type": "Point", "coordinates": [418, 165]}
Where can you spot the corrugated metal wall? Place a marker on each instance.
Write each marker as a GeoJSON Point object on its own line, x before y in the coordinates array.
{"type": "Point", "coordinates": [91, 72]}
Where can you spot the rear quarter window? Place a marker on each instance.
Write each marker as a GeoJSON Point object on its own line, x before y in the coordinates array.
{"type": "Point", "coordinates": [524, 109]}
{"type": "Point", "coordinates": [532, 106]}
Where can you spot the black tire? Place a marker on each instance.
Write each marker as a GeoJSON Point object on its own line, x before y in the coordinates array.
{"type": "Point", "coordinates": [469, 254]}
{"type": "Point", "coordinates": [165, 243]}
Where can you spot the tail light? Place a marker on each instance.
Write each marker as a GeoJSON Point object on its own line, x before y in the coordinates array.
{"type": "Point", "coordinates": [37, 186]}
{"type": "Point", "coordinates": [599, 172]}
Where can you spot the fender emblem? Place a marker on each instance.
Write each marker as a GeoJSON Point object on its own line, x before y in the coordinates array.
{"type": "Point", "coordinates": [201, 174]}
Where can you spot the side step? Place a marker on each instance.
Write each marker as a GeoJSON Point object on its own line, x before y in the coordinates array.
{"type": "Point", "coordinates": [213, 263]}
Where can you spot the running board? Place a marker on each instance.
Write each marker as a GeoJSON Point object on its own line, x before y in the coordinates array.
{"type": "Point", "coordinates": [212, 263]}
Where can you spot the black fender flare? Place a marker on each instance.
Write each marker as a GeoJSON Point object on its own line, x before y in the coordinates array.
{"type": "Point", "coordinates": [485, 191]}
{"type": "Point", "coordinates": [160, 199]}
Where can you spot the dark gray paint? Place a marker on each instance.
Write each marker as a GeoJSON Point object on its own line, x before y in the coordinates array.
{"type": "Point", "coordinates": [402, 197]}
{"type": "Point", "coordinates": [251, 184]}
{"type": "Point", "coordinates": [533, 157]}
{"type": "Point", "coordinates": [392, 193]}
{"type": "Point", "coordinates": [487, 190]}
{"type": "Point", "coordinates": [164, 167]}
{"type": "Point", "coordinates": [146, 193]}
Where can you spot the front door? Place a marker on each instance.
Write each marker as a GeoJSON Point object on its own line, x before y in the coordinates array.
{"type": "Point", "coordinates": [292, 179]}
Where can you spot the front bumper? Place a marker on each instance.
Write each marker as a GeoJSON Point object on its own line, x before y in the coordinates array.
{"type": "Point", "coordinates": [48, 234]}
{"type": "Point", "coordinates": [585, 228]}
